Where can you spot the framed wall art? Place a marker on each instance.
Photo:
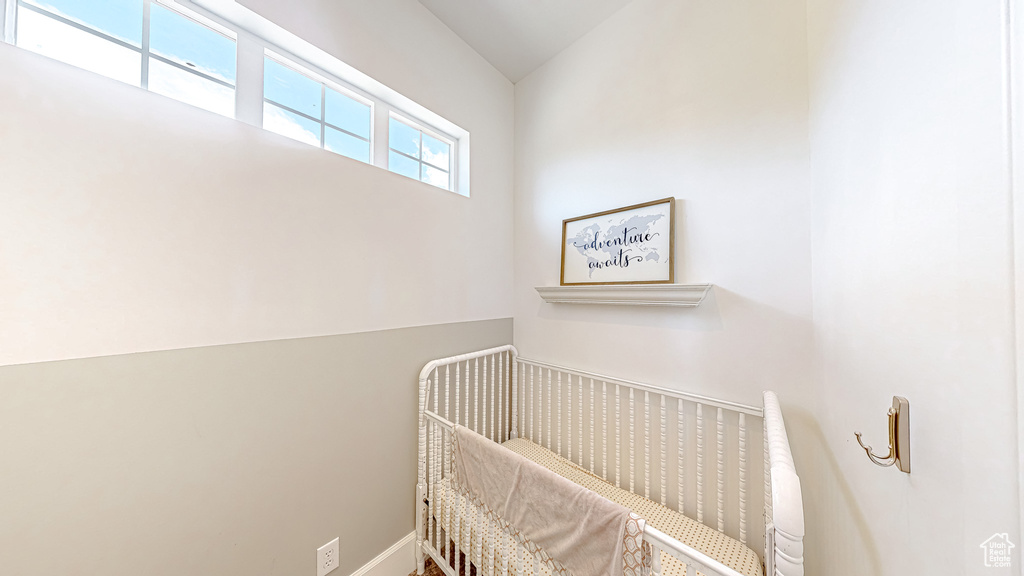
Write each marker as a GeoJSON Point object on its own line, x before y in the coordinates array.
{"type": "Point", "coordinates": [631, 245]}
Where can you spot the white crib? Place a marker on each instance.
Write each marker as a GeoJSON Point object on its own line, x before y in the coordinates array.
{"type": "Point", "coordinates": [687, 455]}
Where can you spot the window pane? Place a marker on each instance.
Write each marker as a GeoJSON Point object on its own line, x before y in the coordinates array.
{"type": "Point", "coordinates": [436, 177]}
{"type": "Point", "coordinates": [291, 125]}
{"type": "Point", "coordinates": [436, 152]}
{"type": "Point", "coordinates": [188, 42]}
{"type": "Point", "coordinates": [346, 145]}
{"type": "Point", "coordinates": [190, 88]}
{"type": "Point", "coordinates": [289, 88]}
{"type": "Point", "coordinates": [404, 138]}
{"type": "Point", "coordinates": [348, 114]}
{"type": "Point", "coordinates": [51, 38]}
{"type": "Point", "coordinates": [121, 19]}
{"type": "Point", "coordinates": [402, 165]}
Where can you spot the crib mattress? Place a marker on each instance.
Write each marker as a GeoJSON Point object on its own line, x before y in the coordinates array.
{"type": "Point", "coordinates": [726, 550]}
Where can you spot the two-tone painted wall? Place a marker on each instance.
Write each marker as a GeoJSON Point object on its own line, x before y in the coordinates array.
{"type": "Point", "coordinates": [210, 334]}
{"type": "Point", "coordinates": [842, 170]}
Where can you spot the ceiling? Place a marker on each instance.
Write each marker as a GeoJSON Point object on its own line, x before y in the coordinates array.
{"type": "Point", "coordinates": [517, 36]}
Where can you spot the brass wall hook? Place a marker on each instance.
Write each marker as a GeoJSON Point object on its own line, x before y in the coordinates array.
{"type": "Point", "coordinates": [899, 437]}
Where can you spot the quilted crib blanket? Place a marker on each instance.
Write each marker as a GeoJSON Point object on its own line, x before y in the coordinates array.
{"type": "Point", "coordinates": [576, 529]}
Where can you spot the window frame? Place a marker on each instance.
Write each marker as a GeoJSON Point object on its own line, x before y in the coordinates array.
{"type": "Point", "coordinates": [199, 19]}
{"type": "Point", "coordinates": [11, 36]}
{"type": "Point", "coordinates": [424, 129]}
{"type": "Point", "coordinates": [255, 36]}
{"type": "Point", "coordinates": [325, 83]}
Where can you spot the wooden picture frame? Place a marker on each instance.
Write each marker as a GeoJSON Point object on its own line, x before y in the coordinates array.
{"type": "Point", "coordinates": [630, 245]}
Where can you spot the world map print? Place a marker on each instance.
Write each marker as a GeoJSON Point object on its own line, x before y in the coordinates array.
{"type": "Point", "coordinates": [629, 245]}
{"type": "Point", "coordinates": [621, 244]}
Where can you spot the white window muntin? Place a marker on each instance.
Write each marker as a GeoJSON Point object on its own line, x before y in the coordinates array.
{"type": "Point", "coordinates": [7, 16]}
{"type": "Point", "coordinates": [423, 128]}
{"type": "Point", "coordinates": [326, 82]}
{"type": "Point", "coordinates": [198, 19]}
{"type": "Point", "coordinates": [250, 30]}
{"type": "Point", "coordinates": [11, 33]}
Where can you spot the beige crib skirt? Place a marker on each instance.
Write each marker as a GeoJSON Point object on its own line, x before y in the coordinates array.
{"type": "Point", "coordinates": [726, 550]}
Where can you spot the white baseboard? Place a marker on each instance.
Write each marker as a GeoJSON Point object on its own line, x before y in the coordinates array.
{"type": "Point", "coordinates": [398, 560]}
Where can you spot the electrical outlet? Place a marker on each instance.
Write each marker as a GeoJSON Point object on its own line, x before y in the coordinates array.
{"type": "Point", "coordinates": [327, 557]}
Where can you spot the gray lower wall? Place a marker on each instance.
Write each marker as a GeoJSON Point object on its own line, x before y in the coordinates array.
{"type": "Point", "coordinates": [223, 460]}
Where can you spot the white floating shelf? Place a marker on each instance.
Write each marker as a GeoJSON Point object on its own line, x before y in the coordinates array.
{"type": "Point", "coordinates": [685, 295]}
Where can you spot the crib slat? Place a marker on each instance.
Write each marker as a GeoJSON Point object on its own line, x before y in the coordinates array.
{"type": "Point", "coordinates": [519, 559]}
{"type": "Point", "coordinates": [743, 477]}
{"type": "Point", "coordinates": [559, 418]}
{"type": "Point", "coordinates": [767, 474]}
{"type": "Point", "coordinates": [647, 444]}
{"type": "Point", "coordinates": [430, 483]}
{"type": "Point", "coordinates": [592, 438]}
{"type": "Point", "coordinates": [483, 428]}
{"type": "Point", "coordinates": [496, 403]}
{"type": "Point", "coordinates": [499, 394]}
{"type": "Point", "coordinates": [450, 505]}
{"type": "Point", "coordinates": [501, 400]}
{"type": "Point", "coordinates": [466, 413]}
{"type": "Point", "coordinates": [513, 370]}
{"type": "Point", "coordinates": [511, 557]}
{"type": "Point", "coordinates": [455, 505]}
{"type": "Point", "coordinates": [721, 471]}
{"type": "Point", "coordinates": [499, 552]}
{"type": "Point", "coordinates": [533, 402]}
{"type": "Point", "coordinates": [549, 409]}
{"type": "Point", "coordinates": [438, 470]}
{"type": "Point", "coordinates": [569, 415]}
{"type": "Point", "coordinates": [604, 430]}
{"type": "Point", "coordinates": [681, 458]}
{"type": "Point", "coordinates": [664, 461]}
{"type": "Point", "coordinates": [632, 440]}
{"type": "Point", "coordinates": [476, 394]}
{"type": "Point", "coordinates": [700, 463]}
{"type": "Point", "coordinates": [618, 438]}
{"type": "Point", "coordinates": [579, 419]}
{"type": "Point", "coordinates": [445, 461]}
{"type": "Point", "coordinates": [519, 391]}
{"type": "Point", "coordinates": [491, 529]}
{"type": "Point", "coordinates": [503, 404]}
{"type": "Point", "coordinates": [434, 454]}
{"type": "Point", "coordinates": [481, 528]}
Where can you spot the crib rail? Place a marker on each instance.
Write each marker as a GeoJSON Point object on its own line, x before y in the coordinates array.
{"type": "Point", "coordinates": [784, 509]}
{"type": "Point", "coordinates": [468, 389]}
{"type": "Point", "coordinates": [450, 548]}
{"type": "Point", "coordinates": [688, 452]}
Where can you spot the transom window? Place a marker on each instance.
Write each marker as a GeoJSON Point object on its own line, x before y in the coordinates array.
{"type": "Point", "coordinates": [192, 51]}
{"type": "Point", "coordinates": [419, 154]}
{"type": "Point", "coordinates": [299, 107]}
{"type": "Point", "coordinates": [139, 42]}
{"type": "Point", "coordinates": [191, 62]}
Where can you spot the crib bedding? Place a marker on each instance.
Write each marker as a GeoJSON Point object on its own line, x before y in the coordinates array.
{"type": "Point", "coordinates": [726, 550]}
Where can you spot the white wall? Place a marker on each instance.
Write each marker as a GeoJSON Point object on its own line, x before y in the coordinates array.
{"type": "Point", "coordinates": [223, 460]}
{"type": "Point", "coordinates": [706, 102]}
{"type": "Point", "coordinates": [843, 174]}
{"type": "Point", "coordinates": [131, 222]}
{"type": "Point", "coordinates": [913, 282]}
